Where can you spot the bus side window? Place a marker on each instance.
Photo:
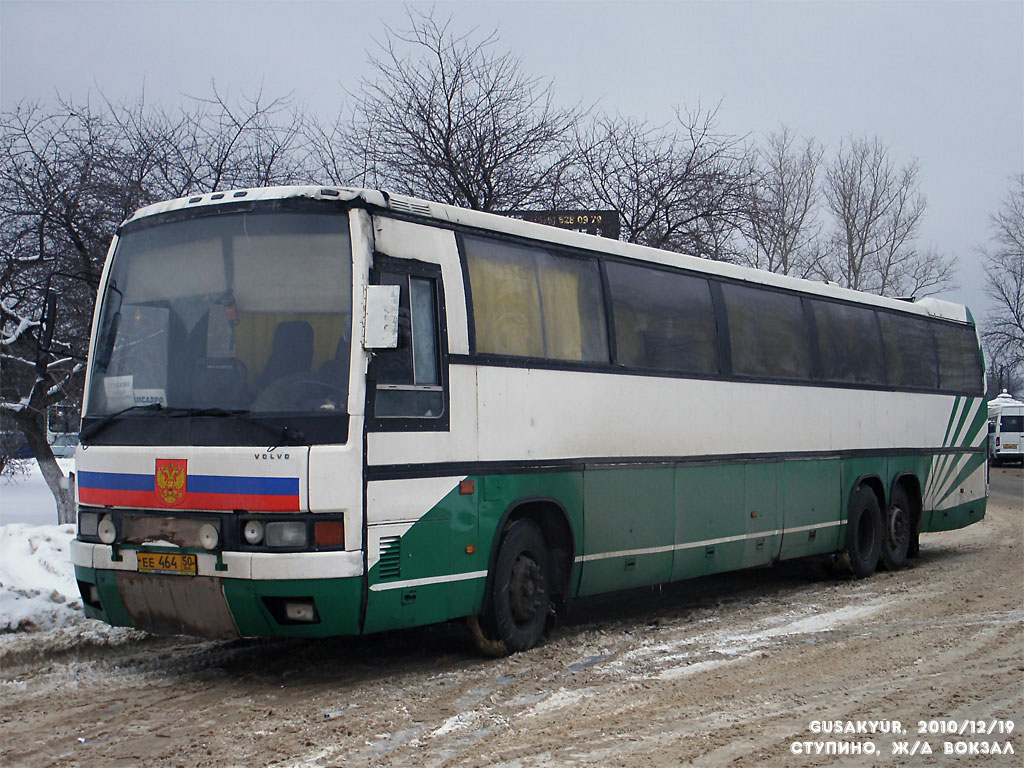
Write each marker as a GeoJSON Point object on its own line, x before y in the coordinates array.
{"type": "Point", "coordinates": [409, 382]}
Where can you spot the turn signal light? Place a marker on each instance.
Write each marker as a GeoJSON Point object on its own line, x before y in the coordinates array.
{"type": "Point", "coordinates": [330, 533]}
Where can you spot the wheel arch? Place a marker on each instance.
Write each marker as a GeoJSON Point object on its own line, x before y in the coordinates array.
{"type": "Point", "coordinates": [872, 481]}
{"type": "Point", "coordinates": [552, 518]}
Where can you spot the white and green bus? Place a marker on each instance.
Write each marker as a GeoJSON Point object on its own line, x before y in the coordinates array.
{"type": "Point", "coordinates": [326, 411]}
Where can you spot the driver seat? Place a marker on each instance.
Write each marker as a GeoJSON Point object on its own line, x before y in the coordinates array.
{"type": "Point", "coordinates": [290, 352]}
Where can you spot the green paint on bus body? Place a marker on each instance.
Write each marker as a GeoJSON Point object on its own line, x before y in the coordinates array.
{"type": "Point", "coordinates": [723, 517]}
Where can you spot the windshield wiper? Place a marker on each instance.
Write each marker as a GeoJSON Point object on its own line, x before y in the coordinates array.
{"type": "Point", "coordinates": [285, 435]}
{"type": "Point", "coordinates": [96, 427]}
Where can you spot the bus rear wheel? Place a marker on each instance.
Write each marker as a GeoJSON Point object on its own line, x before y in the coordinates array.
{"type": "Point", "coordinates": [520, 592]}
{"type": "Point", "coordinates": [863, 534]}
{"type": "Point", "coordinates": [896, 531]}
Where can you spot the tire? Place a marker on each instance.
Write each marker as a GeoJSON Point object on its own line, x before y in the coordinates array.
{"type": "Point", "coordinates": [897, 530]}
{"type": "Point", "coordinates": [863, 534]}
{"type": "Point", "coordinates": [520, 588]}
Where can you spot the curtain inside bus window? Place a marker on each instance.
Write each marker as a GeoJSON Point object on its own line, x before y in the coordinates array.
{"type": "Point", "coordinates": [574, 325]}
{"type": "Point", "coordinates": [530, 303]}
{"type": "Point", "coordinates": [506, 302]}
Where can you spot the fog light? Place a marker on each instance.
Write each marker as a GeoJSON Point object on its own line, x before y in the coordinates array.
{"type": "Point", "coordinates": [88, 523]}
{"type": "Point", "coordinates": [290, 534]}
{"type": "Point", "coordinates": [208, 535]}
{"type": "Point", "coordinates": [94, 594]}
{"type": "Point", "coordinates": [107, 530]}
{"type": "Point", "coordinates": [299, 611]}
{"type": "Point", "coordinates": [253, 532]}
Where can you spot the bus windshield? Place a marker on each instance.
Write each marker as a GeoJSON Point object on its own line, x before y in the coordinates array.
{"type": "Point", "coordinates": [236, 312]}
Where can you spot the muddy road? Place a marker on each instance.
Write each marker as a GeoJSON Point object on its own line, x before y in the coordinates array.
{"type": "Point", "coordinates": [733, 670]}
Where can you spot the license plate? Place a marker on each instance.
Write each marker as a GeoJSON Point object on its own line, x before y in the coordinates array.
{"type": "Point", "coordinates": [160, 562]}
{"type": "Point", "coordinates": [1011, 446]}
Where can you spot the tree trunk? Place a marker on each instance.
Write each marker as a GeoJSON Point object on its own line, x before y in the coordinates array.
{"type": "Point", "coordinates": [34, 430]}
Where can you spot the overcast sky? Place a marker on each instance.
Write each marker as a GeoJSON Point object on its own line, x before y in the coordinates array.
{"type": "Point", "coordinates": [942, 82]}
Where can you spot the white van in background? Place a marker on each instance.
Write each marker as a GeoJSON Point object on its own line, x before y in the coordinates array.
{"type": "Point", "coordinates": [1005, 429]}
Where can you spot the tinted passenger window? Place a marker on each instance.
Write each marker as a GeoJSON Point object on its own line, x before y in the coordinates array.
{"type": "Point", "coordinates": [909, 351]}
{"type": "Point", "coordinates": [959, 361]}
{"type": "Point", "coordinates": [849, 343]}
{"type": "Point", "coordinates": [767, 333]}
{"type": "Point", "coordinates": [663, 320]}
{"type": "Point", "coordinates": [528, 302]}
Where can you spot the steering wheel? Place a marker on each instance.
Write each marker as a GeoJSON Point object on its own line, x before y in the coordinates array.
{"type": "Point", "coordinates": [300, 392]}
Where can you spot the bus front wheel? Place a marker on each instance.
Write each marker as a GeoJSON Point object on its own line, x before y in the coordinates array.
{"type": "Point", "coordinates": [520, 589]}
{"type": "Point", "coordinates": [863, 534]}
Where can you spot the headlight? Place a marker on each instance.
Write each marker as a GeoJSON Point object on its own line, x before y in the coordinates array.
{"type": "Point", "coordinates": [208, 535]}
{"type": "Point", "coordinates": [88, 524]}
{"type": "Point", "coordinates": [107, 530]}
{"type": "Point", "coordinates": [253, 532]}
{"type": "Point", "coordinates": [290, 534]}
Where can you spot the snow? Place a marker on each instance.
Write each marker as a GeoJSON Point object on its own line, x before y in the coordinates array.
{"type": "Point", "coordinates": [37, 579]}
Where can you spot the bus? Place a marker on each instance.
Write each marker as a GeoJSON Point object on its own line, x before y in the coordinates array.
{"type": "Point", "coordinates": [320, 411]}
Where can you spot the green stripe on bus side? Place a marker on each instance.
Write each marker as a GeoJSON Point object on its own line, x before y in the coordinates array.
{"type": "Point", "coordinates": [938, 465]}
{"type": "Point", "coordinates": [959, 516]}
{"type": "Point", "coordinates": [950, 440]}
{"type": "Point", "coordinates": [643, 526]}
{"type": "Point", "coordinates": [946, 465]}
{"type": "Point", "coordinates": [974, 461]}
{"type": "Point", "coordinates": [952, 415]}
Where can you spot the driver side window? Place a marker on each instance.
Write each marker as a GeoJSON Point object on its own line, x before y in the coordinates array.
{"type": "Point", "coordinates": [410, 380]}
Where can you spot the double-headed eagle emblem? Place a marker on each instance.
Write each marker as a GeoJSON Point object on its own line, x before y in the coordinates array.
{"type": "Point", "coordinates": [171, 481]}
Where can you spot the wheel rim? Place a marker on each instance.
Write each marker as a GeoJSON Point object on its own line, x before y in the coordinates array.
{"type": "Point", "coordinates": [899, 527]}
{"type": "Point", "coordinates": [526, 588]}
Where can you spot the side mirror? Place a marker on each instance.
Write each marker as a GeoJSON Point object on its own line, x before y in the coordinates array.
{"type": "Point", "coordinates": [380, 318]}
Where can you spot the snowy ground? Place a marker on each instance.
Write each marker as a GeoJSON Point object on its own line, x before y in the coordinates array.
{"type": "Point", "coordinates": [725, 670]}
{"type": "Point", "coordinates": [37, 580]}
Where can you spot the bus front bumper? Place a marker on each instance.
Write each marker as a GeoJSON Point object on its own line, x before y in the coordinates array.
{"type": "Point", "coordinates": [233, 594]}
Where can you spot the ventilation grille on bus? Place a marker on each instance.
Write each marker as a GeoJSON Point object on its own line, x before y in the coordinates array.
{"type": "Point", "coordinates": [390, 557]}
{"type": "Point", "coordinates": [409, 206]}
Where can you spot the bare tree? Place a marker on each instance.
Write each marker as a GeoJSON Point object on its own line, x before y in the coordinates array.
{"type": "Point", "coordinates": [877, 210]}
{"type": "Point", "coordinates": [447, 117]}
{"type": "Point", "coordinates": [682, 187]}
{"type": "Point", "coordinates": [68, 176]}
{"type": "Point", "coordinates": [55, 216]}
{"type": "Point", "coordinates": [783, 230]}
{"type": "Point", "coordinates": [1003, 329]}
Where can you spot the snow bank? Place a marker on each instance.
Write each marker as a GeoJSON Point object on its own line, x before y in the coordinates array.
{"type": "Point", "coordinates": [37, 579]}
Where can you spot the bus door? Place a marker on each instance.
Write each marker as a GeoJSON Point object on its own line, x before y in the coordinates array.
{"type": "Point", "coordinates": [421, 523]}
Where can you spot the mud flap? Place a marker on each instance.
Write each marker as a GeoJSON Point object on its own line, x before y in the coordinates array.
{"type": "Point", "coordinates": [177, 605]}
